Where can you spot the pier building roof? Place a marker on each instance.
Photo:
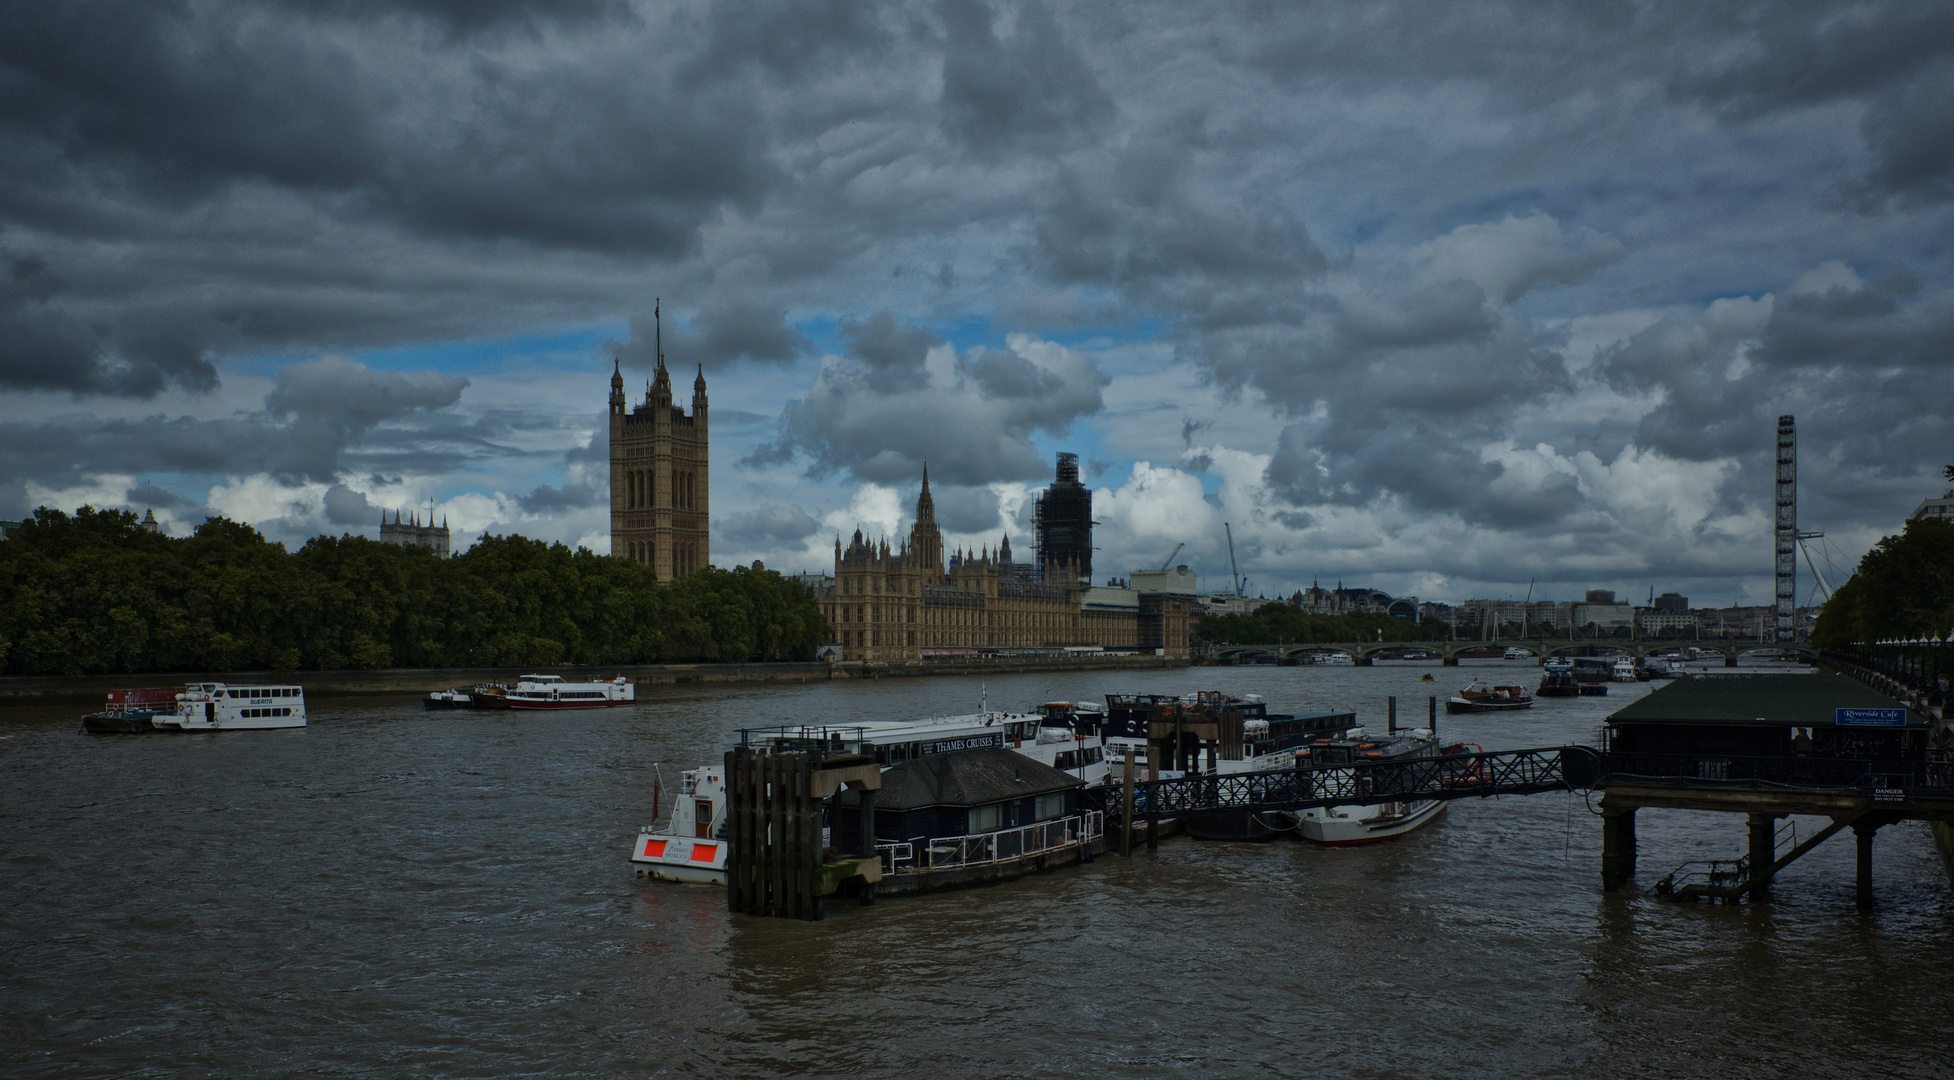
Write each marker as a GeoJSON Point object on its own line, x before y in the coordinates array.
{"type": "Point", "coordinates": [1753, 700]}
{"type": "Point", "coordinates": [964, 778]}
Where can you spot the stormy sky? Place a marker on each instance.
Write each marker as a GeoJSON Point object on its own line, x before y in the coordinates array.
{"type": "Point", "coordinates": [1444, 298]}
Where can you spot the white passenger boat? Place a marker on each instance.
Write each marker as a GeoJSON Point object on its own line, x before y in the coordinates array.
{"type": "Point", "coordinates": [690, 846]}
{"type": "Point", "coordinates": [1623, 669]}
{"type": "Point", "coordinates": [1340, 826]}
{"type": "Point", "coordinates": [556, 692]}
{"type": "Point", "coordinates": [212, 706]}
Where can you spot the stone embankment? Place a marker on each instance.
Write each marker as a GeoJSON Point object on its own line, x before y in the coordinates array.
{"type": "Point", "coordinates": [26, 689]}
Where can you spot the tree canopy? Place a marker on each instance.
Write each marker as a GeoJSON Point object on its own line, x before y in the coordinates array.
{"type": "Point", "coordinates": [95, 592]}
{"type": "Point", "coordinates": [1904, 588]}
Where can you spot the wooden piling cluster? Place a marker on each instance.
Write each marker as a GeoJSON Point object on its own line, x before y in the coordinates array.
{"type": "Point", "coordinates": [776, 863]}
{"type": "Point", "coordinates": [774, 826]}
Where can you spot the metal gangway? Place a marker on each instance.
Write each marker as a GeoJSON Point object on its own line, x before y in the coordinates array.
{"type": "Point", "coordinates": [1480, 775]}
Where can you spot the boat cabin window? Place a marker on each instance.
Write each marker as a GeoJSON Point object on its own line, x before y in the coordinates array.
{"type": "Point", "coordinates": [984, 819]}
{"type": "Point", "coordinates": [1051, 806]}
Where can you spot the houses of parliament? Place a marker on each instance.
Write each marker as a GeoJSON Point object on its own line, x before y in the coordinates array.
{"type": "Point", "coordinates": [887, 605]}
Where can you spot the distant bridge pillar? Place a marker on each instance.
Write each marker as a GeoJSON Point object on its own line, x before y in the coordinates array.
{"type": "Point", "coordinates": [1451, 660]}
{"type": "Point", "coordinates": [1729, 658]}
{"type": "Point", "coordinates": [1617, 846]}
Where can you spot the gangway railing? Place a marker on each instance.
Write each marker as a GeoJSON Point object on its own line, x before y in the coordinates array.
{"type": "Point", "coordinates": [922, 856]}
{"type": "Point", "coordinates": [1457, 776]}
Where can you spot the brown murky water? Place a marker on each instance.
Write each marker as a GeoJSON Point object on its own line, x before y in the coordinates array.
{"type": "Point", "coordinates": [397, 893]}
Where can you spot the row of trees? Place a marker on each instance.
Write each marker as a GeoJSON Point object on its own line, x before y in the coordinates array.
{"type": "Point", "coordinates": [94, 592]}
{"type": "Point", "coordinates": [1904, 588]}
{"type": "Point", "coordinates": [1277, 622]}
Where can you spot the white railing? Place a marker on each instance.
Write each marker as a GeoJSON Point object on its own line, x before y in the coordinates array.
{"type": "Point", "coordinates": [984, 849]}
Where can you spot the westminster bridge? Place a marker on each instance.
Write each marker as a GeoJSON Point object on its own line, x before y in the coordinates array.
{"type": "Point", "coordinates": [1450, 652]}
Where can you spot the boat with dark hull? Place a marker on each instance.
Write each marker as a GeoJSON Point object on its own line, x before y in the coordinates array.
{"type": "Point", "coordinates": [198, 707]}
{"type": "Point", "coordinates": [1480, 697]}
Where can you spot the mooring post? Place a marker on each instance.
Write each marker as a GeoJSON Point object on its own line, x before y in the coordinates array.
{"type": "Point", "coordinates": [1863, 833]}
{"type": "Point", "coordinates": [1763, 852]}
{"type": "Point", "coordinates": [1392, 705]}
{"type": "Point", "coordinates": [1433, 704]}
{"type": "Point", "coordinates": [1126, 807]}
{"type": "Point", "coordinates": [1617, 847]}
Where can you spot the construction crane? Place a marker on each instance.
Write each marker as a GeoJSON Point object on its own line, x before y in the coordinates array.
{"type": "Point", "coordinates": [1171, 554]}
{"type": "Point", "coordinates": [1234, 574]}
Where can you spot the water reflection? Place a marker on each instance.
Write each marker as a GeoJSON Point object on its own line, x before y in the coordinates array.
{"type": "Point", "coordinates": [391, 892]}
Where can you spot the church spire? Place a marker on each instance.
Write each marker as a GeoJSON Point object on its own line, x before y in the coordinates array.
{"type": "Point", "coordinates": [658, 331]}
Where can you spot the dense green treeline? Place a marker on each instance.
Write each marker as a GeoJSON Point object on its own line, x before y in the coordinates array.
{"type": "Point", "coordinates": [1274, 623]}
{"type": "Point", "coordinates": [94, 592]}
{"type": "Point", "coordinates": [1904, 588]}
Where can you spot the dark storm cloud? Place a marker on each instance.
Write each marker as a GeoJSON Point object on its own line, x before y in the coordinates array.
{"type": "Point", "coordinates": [730, 326]}
{"type": "Point", "coordinates": [317, 418]}
{"type": "Point", "coordinates": [891, 353]}
{"type": "Point", "coordinates": [545, 499]}
{"type": "Point", "coordinates": [344, 506]}
{"type": "Point", "coordinates": [768, 525]}
{"type": "Point", "coordinates": [960, 509]}
{"type": "Point", "coordinates": [333, 403]}
{"type": "Point", "coordinates": [1853, 362]}
{"type": "Point", "coordinates": [1029, 90]}
{"type": "Point", "coordinates": [881, 412]}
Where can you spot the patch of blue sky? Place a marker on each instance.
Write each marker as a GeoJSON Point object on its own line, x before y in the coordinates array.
{"type": "Point", "coordinates": [570, 348]}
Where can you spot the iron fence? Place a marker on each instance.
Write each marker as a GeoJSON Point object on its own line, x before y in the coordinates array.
{"type": "Point", "coordinates": [928, 855]}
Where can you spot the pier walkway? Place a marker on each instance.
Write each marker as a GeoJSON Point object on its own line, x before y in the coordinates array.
{"type": "Point", "coordinates": [1460, 776]}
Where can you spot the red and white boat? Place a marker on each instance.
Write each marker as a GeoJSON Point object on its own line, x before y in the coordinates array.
{"type": "Point", "coordinates": [691, 846]}
{"type": "Point", "coordinates": [556, 692]}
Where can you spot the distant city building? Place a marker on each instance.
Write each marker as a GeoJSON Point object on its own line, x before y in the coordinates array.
{"type": "Point", "coordinates": [660, 481]}
{"type": "Point", "coordinates": [150, 524]}
{"type": "Point", "coordinates": [1475, 615]}
{"type": "Point", "coordinates": [1180, 581]}
{"type": "Point", "coordinates": [1223, 604]}
{"type": "Point", "coordinates": [1671, 602]}
{"type": "Point", "coordinates": [1436, 612]}
{"type": "Point", "coordinates": [1605, 617]}
{"type": "Point", "coordinates": [1600, 596]}
{"type": "Point", "coordinates": [1653, 621]}
{"type": "Point", "coordinates": [9, 528]}
{"type": "Point", "coordinates": [1941, 509]}
{"type": "Point", "coordinates": [411, 533]}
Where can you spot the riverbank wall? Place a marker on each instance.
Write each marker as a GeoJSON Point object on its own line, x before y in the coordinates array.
{"type": "Point", "coordinates": [31, 689]}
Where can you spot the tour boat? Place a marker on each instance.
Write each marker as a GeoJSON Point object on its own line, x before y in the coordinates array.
{"type": "Point", "coordinates": [692, 845]}
{"type": "Point", "coordinates": [1342, 826]}
{"type": "Point", "coordinates": [449, 699]}
{"type": "Point", "coordinates": [1623, 669]}
{"type": "Point", "coordinates": [1557, 665]}
{"type": "Point", "coordinates": [198, 707]}
{"type": "Point", "coordinates": [1480, 697]}
{"type": "Point", "coordinates": [556, 692]}
{"type": "Point", "coordinates": [1517, 653]}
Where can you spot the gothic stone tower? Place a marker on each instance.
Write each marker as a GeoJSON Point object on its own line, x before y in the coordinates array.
{"type": "Point", "coordinates": [660, 507]}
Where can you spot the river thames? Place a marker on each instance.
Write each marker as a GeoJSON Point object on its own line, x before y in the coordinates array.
{"type": "Point", "coordinates": [393, 893]}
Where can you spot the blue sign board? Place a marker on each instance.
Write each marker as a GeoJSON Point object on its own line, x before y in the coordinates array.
{"type": "Point", "coordinates": [1869, 717]}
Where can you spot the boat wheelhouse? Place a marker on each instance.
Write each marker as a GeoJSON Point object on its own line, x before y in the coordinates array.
{"type": "Point", "coordinates": [211, 706]}
{"type": "Point", "coordinates": [690, 845]}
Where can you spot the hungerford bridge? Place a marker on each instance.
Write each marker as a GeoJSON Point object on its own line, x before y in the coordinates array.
{"type": "Point", "coordinates": [1363, 652]}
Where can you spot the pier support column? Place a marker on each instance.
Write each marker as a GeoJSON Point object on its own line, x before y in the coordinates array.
{"type": "Point", "coordinates": [1617, 847]}
{"type": "Point", "coordinates": [1863, 833]}
{"type": "Point", "coordinates": [1763, 852]}
{"type": "Point", "coordinates": [1449, 661]}
{"type": "Point", "coordinates": [1126, 807]}
{"type": "Point", "coordinates": [1730, 659]}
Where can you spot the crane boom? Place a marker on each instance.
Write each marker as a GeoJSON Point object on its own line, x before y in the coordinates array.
{"type": "Point", "coordinates": [1234, 575]}
{"type": "Point", "coordinates": [1171, 554]}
